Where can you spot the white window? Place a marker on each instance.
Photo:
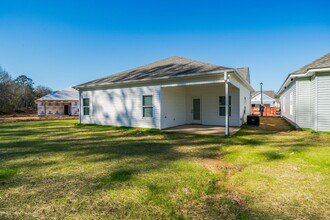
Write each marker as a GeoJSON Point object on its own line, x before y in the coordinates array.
{"type": "Point", "coordinates": [283, 104]}
{"type": "Point", "coordinates": [147, 106]}
{"type": "Point", "coordinates": [291, 103]}
{"type": "Point", "coordinates": [86, 106]}
{"type": "Point", "coordinates": [222, 105]}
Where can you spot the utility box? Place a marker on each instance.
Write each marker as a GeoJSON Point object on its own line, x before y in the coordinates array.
{"type": "Point", "coordinates": [253, 120]}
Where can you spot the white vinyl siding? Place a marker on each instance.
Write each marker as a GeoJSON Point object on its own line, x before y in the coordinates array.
{"type": "Point", "coordinates": [312, 104]}
{"type": "Point", "coordinates": [323, 102]}
{"type": "Point", "coordinates": [173, 104]}
{"type": "Point", "coordinates": [303, 110]}
{"type": "Point", "coordinates": [285, 97]}
{"type": "Point", "coordinates": [122, 107]}
{"type": "Point", "coordinates": [312, 99]}
{"type": "Point", "coordinates": [291, 103]}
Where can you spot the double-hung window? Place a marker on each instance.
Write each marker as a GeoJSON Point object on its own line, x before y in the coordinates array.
{"type": "Point", "coordinates": [147, 106]}
{"type": "Point", "coordinates": [222, 105]}
{"type": "Point", "coordinates": [86, 106]}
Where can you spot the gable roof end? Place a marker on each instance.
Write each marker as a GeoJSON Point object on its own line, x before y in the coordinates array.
{"type": "Point", "coordinates": [245, 72]}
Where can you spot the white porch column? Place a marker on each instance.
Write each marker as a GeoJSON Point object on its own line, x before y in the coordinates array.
{"type": "Point", "coordinates": [227, 104]}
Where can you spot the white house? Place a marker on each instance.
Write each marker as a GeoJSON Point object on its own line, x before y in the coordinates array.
{"type": "Point", "coordinates": [269, 99]}
{"type": "Point", "coordinates": [167, 93]}
{"type": "Point", "coordinates": [59, 103]}
{"type": "Point", "coordinates": [305, 96]}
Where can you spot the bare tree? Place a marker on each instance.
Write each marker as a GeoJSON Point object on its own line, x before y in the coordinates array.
{"type": "Point", "coordinates": [40, 91]}
{"type": "Point", "coordinates": [6, 92]}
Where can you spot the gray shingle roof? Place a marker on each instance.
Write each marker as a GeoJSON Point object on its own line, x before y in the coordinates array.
{"type": "Point", "coordinates": [169, 67]}
{"type": "Point", "coordinates": [321, 62]}
{"type": "Point", "coordinates": [69, 94]}
{"type": "Point", "coordinates": [245, 72]}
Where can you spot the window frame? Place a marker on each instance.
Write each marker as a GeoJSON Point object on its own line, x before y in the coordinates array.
{"type": "Point", "coordinates": [224, 106]}
{"type": "Point", "coordinates": [84, 107]}
{"type": "Point", "coordinates": [148, 106]}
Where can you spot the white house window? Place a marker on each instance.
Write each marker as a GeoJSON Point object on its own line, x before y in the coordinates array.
{"type": "Point", "coordinates": [222, 105]}
{"type": "Point", "coordinates": [283, 104]}
{"type": "Point", "coordinates": [291, 103]}
{"type": "Point", "coordinates": [86, 106]}
{"type": "Point", "coordinates": [147, 106]}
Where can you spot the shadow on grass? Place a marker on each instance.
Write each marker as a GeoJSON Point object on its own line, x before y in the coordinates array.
{"type": "Point", "coordinates": [118, 176]}
{"type": "Point", "coordinates": [272, 155]}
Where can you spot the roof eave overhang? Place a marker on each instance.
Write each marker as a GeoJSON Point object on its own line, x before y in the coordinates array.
{"type": "Point", "coordinates": [82, 87]}
{"type": "Point", "coordinates": [308, 73]}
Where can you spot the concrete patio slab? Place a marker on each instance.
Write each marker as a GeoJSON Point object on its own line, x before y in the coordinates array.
{"type": "Point", "coordinates": [202, 129]}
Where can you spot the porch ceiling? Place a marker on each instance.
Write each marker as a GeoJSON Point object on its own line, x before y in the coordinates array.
{"type": "Point", "coordinates": [202, 129]}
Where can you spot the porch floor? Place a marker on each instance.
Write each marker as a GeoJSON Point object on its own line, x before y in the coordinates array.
{"type": "Point", "coordinates": [202, 129]}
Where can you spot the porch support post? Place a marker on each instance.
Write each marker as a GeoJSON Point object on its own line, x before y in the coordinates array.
{"type": "Point", "coordinates": [227, 103]}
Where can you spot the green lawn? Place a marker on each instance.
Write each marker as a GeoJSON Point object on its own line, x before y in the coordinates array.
{"type": "Point", "coordinates": [59, 169]}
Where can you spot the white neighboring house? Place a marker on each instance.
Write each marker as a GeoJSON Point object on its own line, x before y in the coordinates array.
{"type": "Point", "coordinates": [269, 99]}
{"type": "Point", "coordinates": [59, 103]}
{"type": "Point", "coordinates": [305, 96]}
{"type": "Point", "coordinates": [166, 93]}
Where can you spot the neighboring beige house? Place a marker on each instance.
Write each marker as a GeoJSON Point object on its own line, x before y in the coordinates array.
{"type": "Point", "coordinates": [59, 103]}
{"type": "Point", "coordinates": [305, 96]}
{"type": "Point", "coordinates": [167, 93]}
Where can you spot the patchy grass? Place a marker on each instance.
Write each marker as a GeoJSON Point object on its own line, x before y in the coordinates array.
{"type": "Point", "coordinates": [59, 169]}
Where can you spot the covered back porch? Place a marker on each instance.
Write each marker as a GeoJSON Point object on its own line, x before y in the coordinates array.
{"type": "Point", "coordinates": [202, 106]}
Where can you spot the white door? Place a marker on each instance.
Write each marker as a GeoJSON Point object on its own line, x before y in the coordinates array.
{"type": "Point", "coordinates": [196, 110]}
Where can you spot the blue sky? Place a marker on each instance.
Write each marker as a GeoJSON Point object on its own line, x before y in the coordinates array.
{"type": "Point", "coordinates": [63, 43]}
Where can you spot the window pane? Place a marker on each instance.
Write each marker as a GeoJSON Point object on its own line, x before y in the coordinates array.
{"type": "Point", "coordinates": [147, 100]}
{"type": "Point", "coordinates": [86, 110]}
{"type": "Point", "coordinates": [147, 111]}
{"type": "Point", "coordinates": [222, 100]}
{"type": "Point", "coordinates": [86, 102]}
{"type": "Point", "coordinates": [222, 111]}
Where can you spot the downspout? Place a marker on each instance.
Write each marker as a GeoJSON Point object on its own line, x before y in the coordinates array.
{"type": "Point", "coordinates": [227, 103]}
{"type": "Point", "coordinates": [79, 107]}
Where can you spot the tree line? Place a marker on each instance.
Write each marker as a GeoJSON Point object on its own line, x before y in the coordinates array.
{"type": "Point", "coordinates": [18, 95]}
